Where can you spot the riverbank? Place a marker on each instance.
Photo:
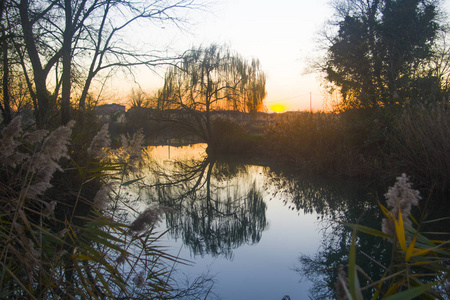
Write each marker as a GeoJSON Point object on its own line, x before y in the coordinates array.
{"type": "Point", "coordinates": [376, 144]}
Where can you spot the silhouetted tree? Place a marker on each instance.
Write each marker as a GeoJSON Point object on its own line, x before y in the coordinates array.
{"type": "Point", "coordinates": [65, 44]}
{"type": "Point", "coordinates": [138, 98]}
{"type": "Point", "coordinates": [381, 50]}
{"type": "Point", "coordinates": [5, 104]}
{"type": "Point", "coordinates": [212, 78]}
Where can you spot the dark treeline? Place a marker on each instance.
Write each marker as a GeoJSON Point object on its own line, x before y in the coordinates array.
{"type": "Point", "coordinates": [372, 143]}
{"type": "Point", "coordinates": [389, 62]}
{"type": "Point", "coordinates": [375, 143]}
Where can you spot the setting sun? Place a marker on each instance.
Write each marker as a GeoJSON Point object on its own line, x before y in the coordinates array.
{"type": "Point", "coordinates": [278, 108]}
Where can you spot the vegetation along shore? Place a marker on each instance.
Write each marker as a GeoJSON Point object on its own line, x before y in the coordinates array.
{"type": "Point", "coordinates": [70, 228]}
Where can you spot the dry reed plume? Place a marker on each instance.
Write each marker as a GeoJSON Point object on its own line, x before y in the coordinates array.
{"type": "Point", "coordinates": [46, 254]}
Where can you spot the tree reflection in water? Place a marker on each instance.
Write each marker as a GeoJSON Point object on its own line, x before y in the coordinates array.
{"type": "Point", "coordinates": [212, 210]}
{"type": "Point", "coordinates": [335, 203]}
{"type": "Point", "coordinates": [216, 207]}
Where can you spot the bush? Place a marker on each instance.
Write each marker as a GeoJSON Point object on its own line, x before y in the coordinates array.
{"type": "Point", "coordinates": [230, 137]}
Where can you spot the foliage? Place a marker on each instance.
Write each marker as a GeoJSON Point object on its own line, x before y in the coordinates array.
{"type": "Point", "coordinates": [383, 52]}
{"type": "Point", "coordinates": [378, 264]}
{"type": "Point", "coordinates": [209, 79]}
{"type": "Point", "coordinates": [324, 142]}
{"type": "Point", "coordinates": [50, 248]}
{"type": "Point", "coordinates": [139, 99]}
{"type": "Point", "coordinates": [371, 143]}
{"type": "Point", "coordinates": [419, 264]}
{"type": "Point", "coordinates": [212, 78]}
{"type": "Point", "coordinates": [230, 138]}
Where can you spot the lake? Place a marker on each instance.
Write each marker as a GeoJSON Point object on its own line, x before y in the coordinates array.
{"type": "Point", "coordinates": [259, 232]}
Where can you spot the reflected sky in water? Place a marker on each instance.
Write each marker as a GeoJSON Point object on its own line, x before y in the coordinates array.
{"type": "Point", "coordinates": [245, 225]}
{"type": "Point", "coordinates": [263, 270]}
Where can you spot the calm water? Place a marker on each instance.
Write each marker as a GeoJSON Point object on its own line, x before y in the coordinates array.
{"type": "Point", "coordinates": [261, 233]}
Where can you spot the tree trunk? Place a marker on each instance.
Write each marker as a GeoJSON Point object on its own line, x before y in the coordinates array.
{"type": "Point", "coordinates": [6, 108]}
{"type": "Point", "coordinates": [40, 76]}
{"type": "Point", "coordinates": [84, 93]}
{"type": "Point", "coordinates": [67, 62]}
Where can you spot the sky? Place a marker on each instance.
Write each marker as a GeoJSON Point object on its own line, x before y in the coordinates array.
{"type": "Point", "coordinates": [282, 34]}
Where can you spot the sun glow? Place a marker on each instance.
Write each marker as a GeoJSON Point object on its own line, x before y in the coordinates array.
{"type": "Point", "coordinates": [278, 108]}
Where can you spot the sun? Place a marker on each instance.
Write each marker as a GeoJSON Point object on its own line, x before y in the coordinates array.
{"type": "Point", "coordinates": [278, 108]}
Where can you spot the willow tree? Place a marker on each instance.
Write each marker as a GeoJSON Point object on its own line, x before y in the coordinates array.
{"type": "Point", "coordinates": [209, 79]}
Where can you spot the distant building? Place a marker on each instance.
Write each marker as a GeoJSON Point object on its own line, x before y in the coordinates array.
{"type": "Point", "coordinates": [110, 113]}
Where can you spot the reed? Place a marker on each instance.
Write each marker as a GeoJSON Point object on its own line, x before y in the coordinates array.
{"type": "Point", "coordinates": [50, 248]}
{"type": "Point", "coordinates": [368, 143]}
{"type": "Point", "coordinates": [419, 144]}
{"type": "Point", "coordinates": [319, 142]}
{"type": "Point", "coordinates": [419, 268]}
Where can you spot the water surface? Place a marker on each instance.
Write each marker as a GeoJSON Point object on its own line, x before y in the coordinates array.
{"type": "Point", "coordinates": [247, 226]}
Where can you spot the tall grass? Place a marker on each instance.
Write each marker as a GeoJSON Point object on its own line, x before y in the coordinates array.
{"type": "Point", "coordinates": [320, 142]}
{"type": "Point", "coordinates": [419, 268]}
{"type": "Point", "coordinates": [368, 143]}
{"type": "Point", "coordinates": [420, 144]}
{"type": "Point", "coordinates": [60, 236]}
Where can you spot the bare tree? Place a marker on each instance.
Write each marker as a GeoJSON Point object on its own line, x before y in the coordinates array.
{"type": "Point", "coordinates": [5, 105]}
{"type": "Point", "coordinates": [85, 36]}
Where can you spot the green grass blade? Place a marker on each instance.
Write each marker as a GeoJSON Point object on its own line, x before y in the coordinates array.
{"type": "Point", "coordinates": [414, 292]}
{"type": "Point", "coordinates": [368, 230]}
{"type": "Point", "coordinates": [353, 282]}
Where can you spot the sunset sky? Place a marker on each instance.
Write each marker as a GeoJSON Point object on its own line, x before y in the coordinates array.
{"type": "Point", "coordinates": [282, 35]}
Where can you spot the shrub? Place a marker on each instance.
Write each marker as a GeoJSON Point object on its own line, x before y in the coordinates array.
{"type": "Point", "coordinates": [229, 137]}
